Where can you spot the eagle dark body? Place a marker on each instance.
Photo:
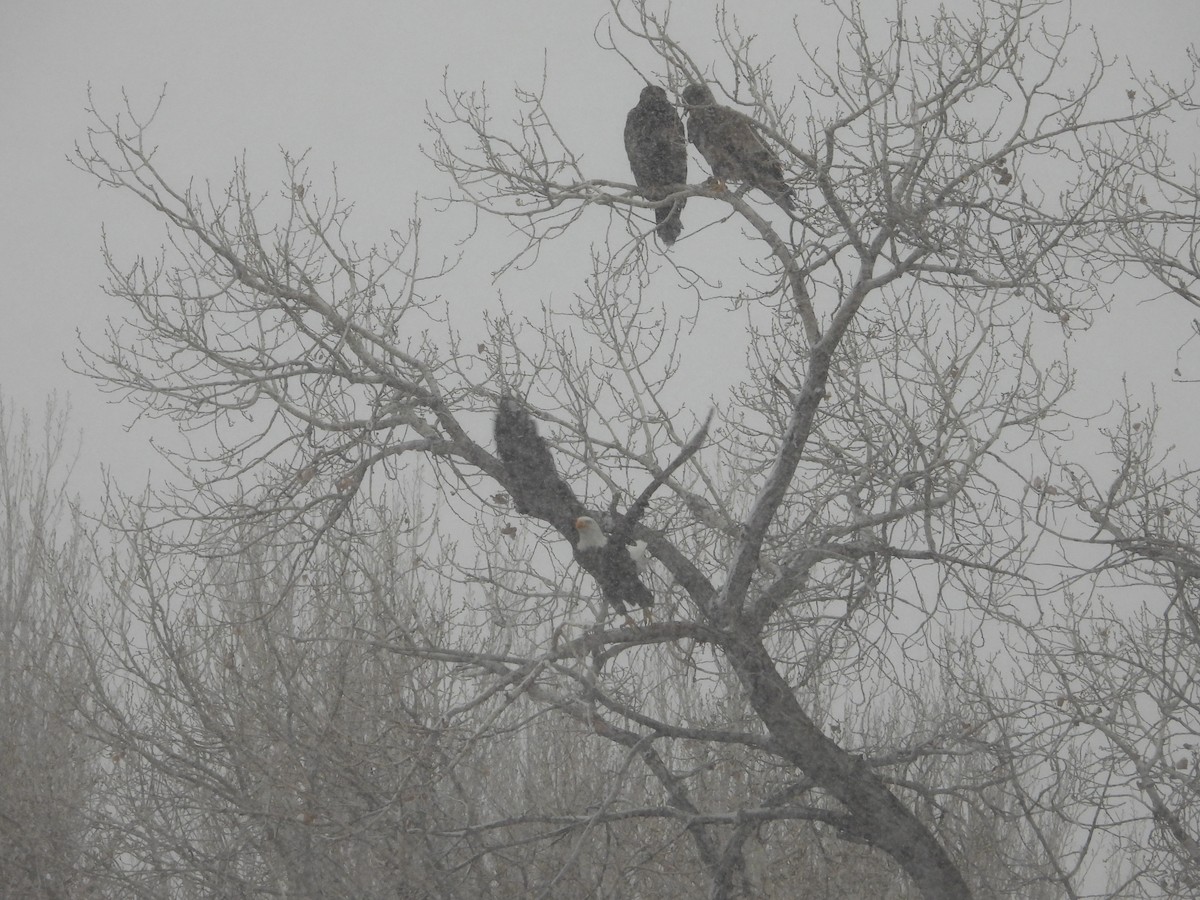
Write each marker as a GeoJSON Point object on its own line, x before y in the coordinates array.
{"type": "Point", "coordinates": [656, 145]}
{"type": "Point", "coordinates": [617, 575]}
{"type": "Point", "coordinates": [727, 140]}
{"type": "Point", "coordinates": [533, 480]}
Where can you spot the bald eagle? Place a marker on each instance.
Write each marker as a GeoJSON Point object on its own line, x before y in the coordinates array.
{"type": "Point", "coordinates": [657, 149]}
{"type": "Point", "coordinates": [726, 139]}
{"type": "Point", "coordinates": [538, 490]}
{"type": "Point", "coordinates": [613, 566]}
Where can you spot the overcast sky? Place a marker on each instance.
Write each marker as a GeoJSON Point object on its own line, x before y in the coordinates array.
{"type": "Point", "coordinates": [348, 80]}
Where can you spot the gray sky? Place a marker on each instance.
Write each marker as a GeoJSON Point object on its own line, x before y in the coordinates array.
{"type": "Point", "coordinates": [350, 82]}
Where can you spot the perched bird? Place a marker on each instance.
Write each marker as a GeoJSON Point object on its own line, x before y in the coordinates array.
{"type": "Point", "coordinates": [656, 145]}
{"type": "Point", "coordinates": [726, 139]}
{"type": "Point", "coordinates": [613, 567]}
{"type": "Point", "coordinates": [531, 480]}
{"type": "Point", "coordinates": [534, 484]}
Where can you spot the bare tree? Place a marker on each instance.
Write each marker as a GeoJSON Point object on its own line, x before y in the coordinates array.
{"type": "Point", "coordinates": [47, 769]}
{"type": "Point", "coordinates": [264, 736]}
{"type": "Point", "coordinates": [867, 497]}
{"type": "Point", "coordinates": [1107, 675]}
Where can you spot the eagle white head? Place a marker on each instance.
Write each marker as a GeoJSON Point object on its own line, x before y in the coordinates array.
{"type": "Point", "coordinates": [591, 536]}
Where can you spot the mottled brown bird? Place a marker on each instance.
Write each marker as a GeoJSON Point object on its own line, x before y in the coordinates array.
{"type": "Point", "coordinates": [656, 145]}
{"type": "Point", "coordinates": [727, 140]}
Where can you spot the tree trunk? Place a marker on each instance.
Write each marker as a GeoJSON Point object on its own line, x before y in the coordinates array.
{"type": "Point", "coordinates": [875, 815]}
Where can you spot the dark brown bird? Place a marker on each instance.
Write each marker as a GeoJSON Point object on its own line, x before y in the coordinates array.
{"type": "Point", "coordinates": [656, 145]}
{"type": "Point", "coordinates": [727, 140]}
{"type": "Point", "coordinates": [534, 484]}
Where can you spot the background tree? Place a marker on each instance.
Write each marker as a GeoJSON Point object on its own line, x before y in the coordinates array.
{"type": "Point", "coordinates": [869, 522]}
{"type": "Point", "coordinates": [47, 770]}
{"type": "Point", "coordinates": [264, 737]}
